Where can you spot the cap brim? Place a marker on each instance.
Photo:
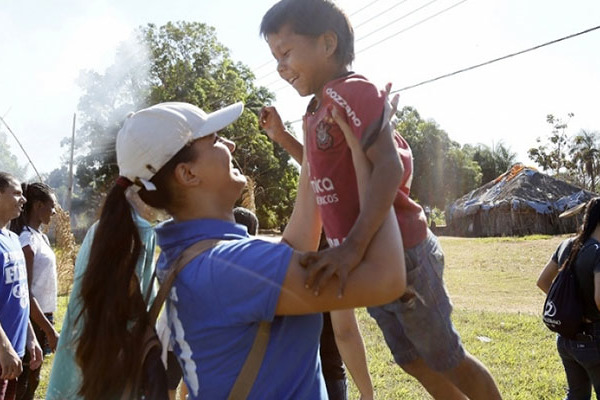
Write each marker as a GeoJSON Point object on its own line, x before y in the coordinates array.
{"type": "Point", "coordinates": [572, 211]}
{"type": "Point", "coordinates": [220, 119]}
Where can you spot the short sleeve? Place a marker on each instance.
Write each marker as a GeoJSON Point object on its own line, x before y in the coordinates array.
{"type": "Point", "coordinates": [26, 239]}
{"type": "Point", "coordinates": [562, 251]}
{"type": "Point", "coordinates": [362, 104]}
{"type": "Point", "coordinates": [247, 277]}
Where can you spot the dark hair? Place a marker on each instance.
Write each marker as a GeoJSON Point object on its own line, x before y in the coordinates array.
{"type": "Point", "coordinates": [113, 308]}
{"type": "Point", "coordinates": [591, 218]}
{"type": "Point", "coordinates": [5, 180]}
{"type": "Point", "coordinates": [247, 218]}
{"type": "Point", "coordinates": [33, 192]}
{"type": "Point", "coordinates": [312, 18]}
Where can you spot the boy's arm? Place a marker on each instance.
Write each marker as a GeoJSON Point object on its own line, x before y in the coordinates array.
{"type": "Point", "coordinates": [270, 121]}
{"type": "Point", "coordinates": [382, 184]}
{"type": "Point", "coordinates": [352, 349]}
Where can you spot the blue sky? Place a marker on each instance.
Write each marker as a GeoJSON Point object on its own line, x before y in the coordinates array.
{"type": "Point", "coordinates": [45, 44]}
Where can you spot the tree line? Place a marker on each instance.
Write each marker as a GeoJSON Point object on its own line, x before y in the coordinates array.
{"type": "Point", "coordinates": [184, 61]}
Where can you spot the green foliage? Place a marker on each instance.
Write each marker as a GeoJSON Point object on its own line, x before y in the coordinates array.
{"type": "Point", "coordinates": [8, 161]}
{"type": "Point", "coordinates": [493, 161]}
{"type": "Point", "coordinates": [181, 61]}
{"type": "Point", "coordinates": [551, 154]}
{"type": "Point", "coordinates": [442, 170]}
{"type": "Point", "coordinates": [585, 155]}
{"type": "Point", "coordinates": [575, 159]}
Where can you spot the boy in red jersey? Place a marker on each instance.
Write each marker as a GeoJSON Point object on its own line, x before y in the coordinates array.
{"type": "Point", "coordinates": [313, 43]}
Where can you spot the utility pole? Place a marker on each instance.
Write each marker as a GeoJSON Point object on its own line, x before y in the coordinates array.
{"type": "Point", "coordinates": [70, 188]}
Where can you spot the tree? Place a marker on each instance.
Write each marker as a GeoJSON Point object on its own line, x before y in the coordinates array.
{"type": "Point", "coordinates": [442, 170]}
{"type": "Point", "coordinates": [584, 152]}
{"type": "Point", "coordinates": [181, 61]}
{"type": "Point", "coordinates": [493, 161]}
{"type": "Point", "coordinates": [552, 153]}
{"type": "Point", "coordinates": [8, 161]}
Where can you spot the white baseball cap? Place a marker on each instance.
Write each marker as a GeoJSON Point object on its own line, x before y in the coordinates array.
{"type": "Point", "coordinates": [150, 137]}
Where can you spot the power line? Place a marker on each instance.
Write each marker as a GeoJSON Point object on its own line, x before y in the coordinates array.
{"type": "Point", "coordinates": [489, 62]}
{"type": "Point", "coordinates": [497, 59]}
{"type": "Point", "coordinates": [396, 20]}
{"type": "Point", "coordinates": [413, 25]}
{"type": "Point", "coordinates": [363, 8]}
{"type": "Point", "coordinates": [385, 26]}
{"type": "Point", "coordinates": [380, 14]}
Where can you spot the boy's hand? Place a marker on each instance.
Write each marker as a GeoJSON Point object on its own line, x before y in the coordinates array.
{"type": "Point", "coordinates": [270, 121]}
{"type": "Point", "coordinates": [337, 261]}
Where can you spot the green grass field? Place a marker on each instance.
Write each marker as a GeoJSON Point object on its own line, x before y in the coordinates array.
{"type": "Point", "coordinates": [497, 311]}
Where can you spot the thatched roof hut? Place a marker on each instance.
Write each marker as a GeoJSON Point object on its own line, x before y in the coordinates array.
{"type": "Point", "coordinates": [521, 201]}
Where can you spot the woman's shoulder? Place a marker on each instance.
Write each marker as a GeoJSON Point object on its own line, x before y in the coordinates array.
{"type": "Point", "coordinates": [252, 248]}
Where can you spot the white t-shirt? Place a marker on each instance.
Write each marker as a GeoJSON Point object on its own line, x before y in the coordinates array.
{"type": "Point", "coordinates": [43, 285]}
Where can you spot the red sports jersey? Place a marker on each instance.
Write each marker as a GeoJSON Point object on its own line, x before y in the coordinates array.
{"type": "Point", "coordinates": [330, 166]}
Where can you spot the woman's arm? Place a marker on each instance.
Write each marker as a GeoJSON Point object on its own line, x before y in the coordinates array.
{"type": "Point", "coordinates": [304, 227]}
{"type": "Point", "coordinates": [547, 276]}
{"type": "Point", "coordinates": [36, 313]}
{"type": "Point", "coordinates": [352, 349]}
{"type": "Point", "coordinates": [379, 278]}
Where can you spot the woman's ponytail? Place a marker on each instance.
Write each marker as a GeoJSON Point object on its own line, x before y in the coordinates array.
{"type": "Point", "coordinates": [113, 309]}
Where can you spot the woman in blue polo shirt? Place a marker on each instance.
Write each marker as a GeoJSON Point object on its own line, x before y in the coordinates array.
{"type": "Point", "coordinates": [171, 153]}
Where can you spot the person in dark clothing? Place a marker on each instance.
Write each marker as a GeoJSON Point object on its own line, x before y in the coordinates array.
{"type": "Point", "coordinates": [580, 356]}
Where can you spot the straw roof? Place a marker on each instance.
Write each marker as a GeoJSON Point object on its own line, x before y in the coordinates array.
{"type": "Point", "coordinates": [519, 189]}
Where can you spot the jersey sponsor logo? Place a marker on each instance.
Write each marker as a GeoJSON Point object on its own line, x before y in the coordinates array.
{"type": "Point", "coordinates": [324, 191]}
{"type": "Point", "coordinates": [335, 96]}
{"type": "Point", "coordinates": [334, 242]}
{"type": "Point", "coordinates": [324, 138]}
{"type": "Point", "coordinates": [322, 185]}
{"type": "Point", "coordinates": [327, 199]}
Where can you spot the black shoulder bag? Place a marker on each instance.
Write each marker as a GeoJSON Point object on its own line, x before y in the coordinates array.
{"type": "Point", "coordinates": [563, 308]}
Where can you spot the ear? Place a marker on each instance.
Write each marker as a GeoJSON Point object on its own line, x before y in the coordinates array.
{"type": "Point", "coordinates": [38, 204]}
{"type": "Point", "coordinates": [330, 41]}
{"type": "Point", "coordinates": [185, 175]}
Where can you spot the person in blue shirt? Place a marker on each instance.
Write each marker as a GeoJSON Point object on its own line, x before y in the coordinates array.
{"type": "Point", "coordinates": [16, 333]}
{"type": "Point", "coordinates": [171, 153]}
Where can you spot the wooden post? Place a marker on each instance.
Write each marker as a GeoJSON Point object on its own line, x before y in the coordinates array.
{"type": "Point", "coordinates": [70, 188]}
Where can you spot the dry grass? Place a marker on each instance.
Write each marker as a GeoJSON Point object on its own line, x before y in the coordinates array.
{"type": "Point", "coordinates": [497, 274]}
{"type": "Point", "coordinates": [66, 251]}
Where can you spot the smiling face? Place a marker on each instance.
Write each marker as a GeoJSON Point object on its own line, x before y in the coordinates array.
{"type": "Point", "coordinates": [11, 202]}
{"type": "Point", "coordinates": [214, 164]}
{"type": "Point", "coordinates": [46, 209]}
{"type": "Point", "coordinates": [307, 63]}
